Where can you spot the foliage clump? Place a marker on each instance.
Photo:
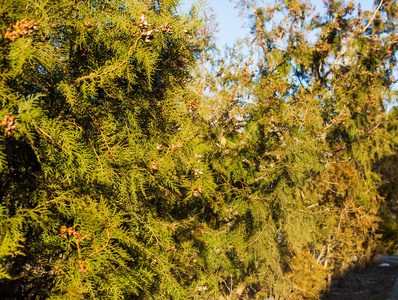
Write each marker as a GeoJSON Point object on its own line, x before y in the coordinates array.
{"type": "Point", "coordinates": [136, 162]}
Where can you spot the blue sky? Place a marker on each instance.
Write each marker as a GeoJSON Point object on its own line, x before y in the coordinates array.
{"type": "Point", "coordinates": [230, 24]}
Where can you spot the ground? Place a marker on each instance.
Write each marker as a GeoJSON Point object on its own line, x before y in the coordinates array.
{"type": "Point", "coordinates": [372, 282]}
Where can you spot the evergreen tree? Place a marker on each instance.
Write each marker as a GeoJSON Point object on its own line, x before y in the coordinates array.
{"type": "Point", "coordinates": [386, 168]}
{"type": "Point", "coordinates": [295, 138]}
{"type": "Point", "coordinates": [97, 168]}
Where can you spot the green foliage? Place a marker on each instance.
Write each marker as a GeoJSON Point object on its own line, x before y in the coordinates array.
{"type": "Point", "coordinates": [93, 140]}
{"type": "Point", "coordinates": [129, 171]}
{"type": "Point", "coordinates": [294, 164]}
{"type": "Point", "coordinates": [387, 186]}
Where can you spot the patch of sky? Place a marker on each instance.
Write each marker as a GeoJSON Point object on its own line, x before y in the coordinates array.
{"type": "Point", "coordinates": [232, 27]}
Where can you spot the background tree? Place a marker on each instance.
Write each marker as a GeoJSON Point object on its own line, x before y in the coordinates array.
{"type": "Point", "coordinates": [98, 173]}
{"type": "Point", "coordinates": [386, 168]}
{"type": "Point", "coordinates": [294, 161]}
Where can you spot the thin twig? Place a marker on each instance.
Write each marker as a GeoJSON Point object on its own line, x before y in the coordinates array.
{"type": "Point", "coordinates": [99, 127]}
{"type": "Point", "coordinates": [346, 49]}
{"type": "Point", "coordinates": [374, 15]}
{"type": "Point", "coordinates": [280, 37]}
{"type": "Point", "coordinates": [102, 169]}
{"type": "Point", "coordinates": [49, 137]}
{"type": "Point", "coordinates": [16, 277]}
{"type": "Point", "coordinates": [152, 233]}
{"type": "Point", "coordinates": [103, 6]}
{"type": "Point", "coordinates": [257, 237]}
{"type": "Point", "coordinates": [93, 76]}
{"type": "Point", "coordinates": [103, 247]}
{"type": "Point", "coordinates": [305, 291]}
{"type": "Point", "coordinates": [162, 264]}
{"type": "Point", "coordinates": [58, 269]}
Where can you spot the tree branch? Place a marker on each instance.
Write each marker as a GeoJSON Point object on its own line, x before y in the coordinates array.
{"type": "Point", "coordinates": [49, 137]}
{"type": "Point", "coordinates": [374, 15]}
{"type": "Point", "coordinates": [93, 76]}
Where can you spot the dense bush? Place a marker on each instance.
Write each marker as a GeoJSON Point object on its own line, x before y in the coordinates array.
{"type": "Point", "coordinates": [130, 171]}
